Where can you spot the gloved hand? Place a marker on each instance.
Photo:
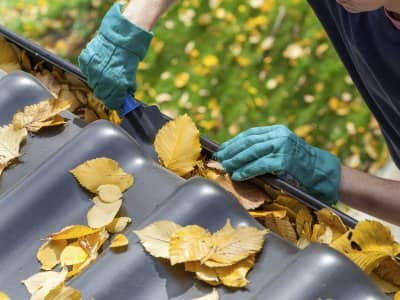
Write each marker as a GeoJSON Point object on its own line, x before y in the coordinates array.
{"type": "Point", "coordinates": [110, 60]}
{"type": "Point", "coordinates": [275, 149]}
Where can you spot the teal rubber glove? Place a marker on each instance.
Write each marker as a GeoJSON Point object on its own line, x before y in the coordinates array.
{"type": "Point", "coordinates": [277, 150]}
{"type": "Point", "coordinates": [110, 60]}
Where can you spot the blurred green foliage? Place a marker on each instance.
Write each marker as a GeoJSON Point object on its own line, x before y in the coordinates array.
{"type": "Point", "coordinates": [231, 65]}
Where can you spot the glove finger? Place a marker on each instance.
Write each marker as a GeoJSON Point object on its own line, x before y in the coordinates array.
{"type": "Point", "coordinates": [240, 145]}
{"type": "Point", "coordinates": [249, 132]}
{"type": "Point", "coordinates": [267, 164]}
{"type": "Point", "coordinates": [113, 98]}
{"type": "Point", "coordinates": [250, 154]}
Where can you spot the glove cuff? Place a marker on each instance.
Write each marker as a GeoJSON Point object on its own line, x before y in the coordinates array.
{"type": "Point", "coordinates": [123, 33]}
{"type": "Point", "coordinates": [325, 180]}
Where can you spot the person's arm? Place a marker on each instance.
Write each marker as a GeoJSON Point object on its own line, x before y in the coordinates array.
{"type": "Point", "coordinates": [373, 195]}
{"type": "Point", "coordinates": [393, 6]}
{"type": "Point", "coordinates": [145, 13]}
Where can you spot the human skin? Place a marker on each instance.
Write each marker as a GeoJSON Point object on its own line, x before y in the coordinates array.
{"type": "Point", "coordinates": [357, 6]}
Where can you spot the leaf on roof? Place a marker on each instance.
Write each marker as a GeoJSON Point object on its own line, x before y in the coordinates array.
{"type": "Point", "coordinates": [109, 193]}
{"type": "Point", "coordinates": [102, 214]}
{"type": "Point", "coordinates": [10, 141]}
{"type": "Point", "coordinates": [231, 245]}
{"type": "Point", "coordinates": [100, 171]}
{"type": "Point", "coordinates": [42, 114]}
{"type": "Point", "coordinates": [49, 253]}
{"type": "Point", "coordinates": [118, 224]}
{"type": "Point", "coordinates": [119, 241]}
{"type": "Point", "coordinates": [73, 254]}
{"type": "Point", "coordinates": [72, 232]}
{"type": "Point", "coordinates": [178, 145]}
{"type": "Point", "coordinates": [155, 238]}
{"type": "Point", "coordinates": [189, 243]}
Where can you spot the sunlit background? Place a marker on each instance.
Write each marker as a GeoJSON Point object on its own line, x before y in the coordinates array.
{"type": "Point", "coordinates": [231, 65]}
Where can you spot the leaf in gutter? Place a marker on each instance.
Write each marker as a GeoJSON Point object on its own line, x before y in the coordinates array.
{"type": "Point", "coordinates": [178, 145]}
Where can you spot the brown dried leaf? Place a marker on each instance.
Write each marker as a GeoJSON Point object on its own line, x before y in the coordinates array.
{"type": "Point", "coordinates": [328, 218]}
{"type": "Point", "coordinates": [281, 226]}
{"type": "Point", "coordinates": [248, 194]}
{"type": "Point", "coordinates": [304, 222]}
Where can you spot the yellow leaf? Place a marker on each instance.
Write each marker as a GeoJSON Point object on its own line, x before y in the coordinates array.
{"type": "Point", "coordinates": [235, 275]}
{"type": "Point", "coordinates": [96, 172]}
{"type": "Point", "coordinates": [40, 285]}
{"type": "Point", "coordinates": [102, 214]}
{"type": "Point", "coordinates": [203, 273]}
{"type": "Point", "coordinates": [3, 296]}
{"type": "Point", "coordinates": [397, 296]}
{"type": "Point", "coordinates": [10, 141]}
{"type": "Point", "coordinates": [72, 232]}
{"type": "Point", "coordinates": [43, 114]}
{"type": "Point", "coordinates": [385, 286]}
{"type": "Point", "coordinates": [73, 254]}
{"type": "Point", "coordinates": [118, 224]}
{"type": "Point", "coordinates": [109, 193]}
{"type": "Point", "coordinates": [248, 194]}
{"type": "Point", "coordinates": [212, 296]}
{"type": "Point", "coordinates": [292, 206]}
{"type": "Point", "coordinates": [91, 244]}
{"type": "Point", "coordinates": [262, 214]}
{"type": "Point", "coordinates": [49, 253]}
{"type": "Point", "coordinates": [155, 238]}
{"type": "Point", "coordinates": [281, 226]}
{"type": "Point", "coordinates": [230, 245]}
{"type": "Point", "coordinates": [178, 145]}
{"type": "Point", "coordinates": [119, 240]}
{"type": "Point", "coordinates": [8, 57]}
{"type": "Point", "coordinates": [304, 223]}
{"type": "Point", "coordinates": [327, 217]}
{"type": "Point", "coordinates": [64, 293]}
{"type": "Point", "coordinates": [190, 243]}
{"type": "Point", "coordinates": [367, 245]}
{"type": "Point", "coordinates": [321, 234]}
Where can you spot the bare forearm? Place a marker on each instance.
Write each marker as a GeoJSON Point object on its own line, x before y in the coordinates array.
{"type": "Point", "coordinates": [145, 13]}
{"type": "Point", "coordinates": [373, 195]}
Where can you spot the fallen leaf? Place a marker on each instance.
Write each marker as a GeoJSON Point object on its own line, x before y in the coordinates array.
{"type": "Point", "coordinates": [72, 232]}
{"type": "Point", "coordinates": [102, 214]}
{"type": "Point", "coordinates": [215, 165]}
{"type": "Point", "coordinates": [96, 172]}
{"type": "Point", "coordinates": [389, 270]}
{"type": "Point", "coordinates": [248, 194]}
{"type": "Point", "coordinates": [367, 245]}
{"type": "Point", "coordinates": [40, 285]}
{"type": "Point", "coordinates": [304, 222]}
{"type": "Point", "coordinates": [383, 285]}
{"type": "Point", "coordinates": [91, 244]}
{"type": "Point", "coordinates": [212, 296]}
{"type": "Point", "coordinates": [203, 273]}
{"type": "Point", "coordinates": [73, 254]}
{"type": "Point", "coordinates": [263, 214]}
{"type": "Point", "coordinates": [327, 217]}
{"type": "Point", "coordinates": [8, 57]}
{"type": "Point", "coordinates": [397, 296]}
{"type": "Point", "coordinates": [118, 224]}
{"type": "Point", "coordinates": [303, 243]}
{"type": "Point", "coordinates": [189, 243]}
{"type": "Point", "coordinates": [119, 241]}
{"type": "Point", "coordinates": [109, 193]}
{"type": "Point", "coordinates": [3, 296]}
{"type": "Point", "coordinates": [235, 275]}
{"type": "Point", "coordinates": [230, 245]}
{"type": "Point", "coordinates": [292, 206]}
{"type": "Point", "coordinates": [49, 253]}
{"type": "Point", "coordinates": [178, 145]}
{"type": "Point", "coordinates": [64, 293]}
{"type": "Point", "coordinates": [156, 237]}
{"type": "Point", "coordinates": [10, 141]}
{"type": "Point", "coordinates": [281, 226]}
{"type": "Point", "coordinates": [322, 234]}
{"type": "Point", "coordinates": [42, 114]}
